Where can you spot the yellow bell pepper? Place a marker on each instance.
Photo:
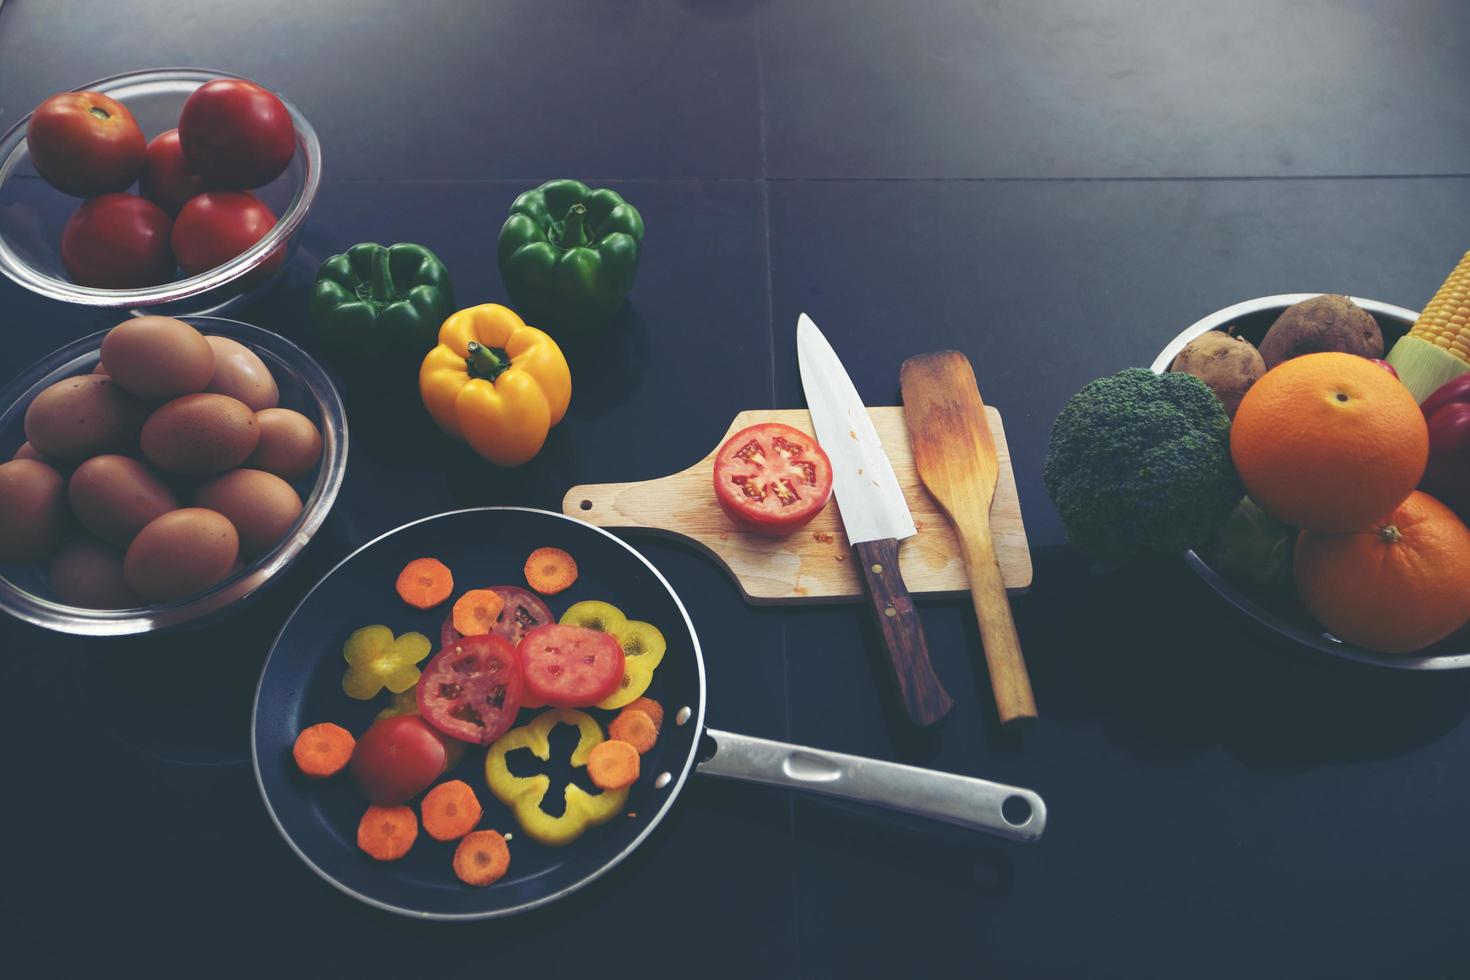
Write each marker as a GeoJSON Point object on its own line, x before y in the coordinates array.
{"type": "Point", "coordinates": [495, 383]}
{"type": "Point", "coordinates": [523, 794]}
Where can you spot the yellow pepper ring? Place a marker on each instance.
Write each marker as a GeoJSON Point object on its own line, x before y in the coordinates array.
{"type": "Point", "coordinates": [523, 794]}
{"type": "Point", "coordinates": [643, 647]}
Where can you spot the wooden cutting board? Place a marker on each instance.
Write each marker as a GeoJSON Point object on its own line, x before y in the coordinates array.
{"type": "Point", "coordinates": [815, 563]}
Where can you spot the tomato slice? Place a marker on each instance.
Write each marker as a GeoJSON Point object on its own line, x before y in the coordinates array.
{"type": "Point", "coordinates": [568, 666]}
{"type": "Point", "coordinates": [523, 611]}
{"type": "Point", "coordinates": [772, 479]}
{"type": "Point", "coordinates": [471, 690]}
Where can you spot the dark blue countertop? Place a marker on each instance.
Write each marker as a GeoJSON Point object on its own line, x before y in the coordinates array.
{"type": "Point", "coordinates": [1056, 192]}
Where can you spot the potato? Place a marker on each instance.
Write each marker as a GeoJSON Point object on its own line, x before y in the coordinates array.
{"type": "Point", "coordinates": [1322, 323]}
{"type": "Point", "coordinates": [1229, 365]}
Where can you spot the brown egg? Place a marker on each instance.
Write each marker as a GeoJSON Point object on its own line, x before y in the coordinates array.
{"type": "Point", "coordinates": [200, 435]}
{"type": "Point", "coordinates": [115, 496]}
{"type": "Point", "coordinates": [32, 510]}
{"type": "Point", "coordinates": [99, 368]}
{"type": "Point", "coordinates": [82, 416]}
{"type": "Point", "coordinates": [157, 357]}
{"type": "Point", "coordinates": [27, 451]}
{"type": "Point", "coordinates": [240, 373]}
{"type": "Point", "coordinates": [261, 505]}
{"type": "Point", "coordinates": [289, 444]}
{"type": "Point", "coordinates": [183, 552]}
{"type": "Point", "coordinates": [89, 574]}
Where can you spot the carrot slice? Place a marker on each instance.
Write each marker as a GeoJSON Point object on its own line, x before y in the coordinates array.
{"type": "Point", "coordinates": [323, 750]}
{"type": "Point", "coordinates": [613, 764]}
{"type": "Point", "coordinates": [450, 810]}
{"type": "Point", "coordinates": [477, 611]}
{"type": "Point", "coordinates": [387, 832]}
{"type": "Point", "coordinates": [635, 728]}
{"type": "Point", "coordinates": [481, 858]}
{"type": "Point", "coordinates": [425, 582]}
{"type": "Point", "coordinates": [551, 570]}
{"type": "Point", "coordinates": [651, 708]}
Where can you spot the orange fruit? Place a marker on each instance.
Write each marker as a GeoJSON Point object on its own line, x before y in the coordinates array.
{"type": "Point", "coordinates": [1329, 442]}
{"type": "Point", "coordinates": [1397, 585]}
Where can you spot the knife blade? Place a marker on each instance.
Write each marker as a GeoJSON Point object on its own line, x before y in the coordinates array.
{"type": "Point", "coordinates": [875, 517]}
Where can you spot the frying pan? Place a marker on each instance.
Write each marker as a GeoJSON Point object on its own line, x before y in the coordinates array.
{"type": "Point", "coordinates": [300, 685]}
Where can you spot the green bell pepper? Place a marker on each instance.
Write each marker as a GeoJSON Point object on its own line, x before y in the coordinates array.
{"type": "Point", "coordinates": [373, 302]}
{"type": "Point", "coordinates": [568, 255]}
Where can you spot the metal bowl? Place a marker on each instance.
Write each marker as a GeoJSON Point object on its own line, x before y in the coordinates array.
{"type": "Point", "coordinates": [1280, 612]}
{"type": "Point", "coordinates": [33, 213]}
{"type": "Point", "coordinates": [24, 590]}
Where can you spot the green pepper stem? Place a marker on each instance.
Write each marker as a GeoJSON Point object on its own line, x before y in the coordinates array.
{"type": "Point", "coordinates": [382, 277]}
{"type": "Point", "coordinates": [485, 362]}
{"type": "Point", "coordinates": [573, 231]}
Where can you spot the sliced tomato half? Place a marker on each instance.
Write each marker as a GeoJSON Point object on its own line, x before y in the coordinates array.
{"type": "Point", "coordinates": [772, 479]}
{"type": "Point", "coordinates": [569, 666]}
{"type": "Point", "coordinates": [523, 611]}
{"type": "Point", "coordinates": [471, 690]}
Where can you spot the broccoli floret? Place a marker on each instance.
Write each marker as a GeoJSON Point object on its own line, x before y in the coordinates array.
{"type": "Point", "coordinates": [1141, 461]}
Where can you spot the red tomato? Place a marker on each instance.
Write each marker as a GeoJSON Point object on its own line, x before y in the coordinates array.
{"type": "Point", "coordinates": [236, 133]}
{"type": "Point", "coordinates": [117, 241]}
{"type": "Point", "coordinates": [1385, 365]}
{"type": "Point", "coordinates": [568, 666]}
{"type": "Point", "coordinates": [84, 143]}
{"type": "Point", "coordinates": [169, 179]}
{"type": "Point", "coordinates": [1447, 413]}
{"type": "Point", "coordinates": [523, 611]}
{"type": "Point", "coordinates": [397, 759]}
{"type": "Point", "coordinates": [471, 690]}
{"type": "Point", "coordinates": [216, 226]}
{"type": "Point", "coordinates": [772, 479]}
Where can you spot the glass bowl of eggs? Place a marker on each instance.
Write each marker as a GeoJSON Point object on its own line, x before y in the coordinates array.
{"type": "Point", "coordinates": [162, 472]}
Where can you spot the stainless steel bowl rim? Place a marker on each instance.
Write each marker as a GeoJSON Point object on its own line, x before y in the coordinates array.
{"type": "Point", "coordinates": [1322, 640]}
{"type": "Point", "coordinates": [286, 225]}
{"type": "Point", "coordinates": [54, 615]}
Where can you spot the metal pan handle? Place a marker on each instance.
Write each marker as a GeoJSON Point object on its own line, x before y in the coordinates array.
{"type": "Point", "coordinates": [976, 804]}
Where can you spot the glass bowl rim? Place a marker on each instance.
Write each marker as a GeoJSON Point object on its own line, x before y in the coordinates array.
{"type": "Point", "coordinates": [54, 615]}
{"type": "Point", "coordinates": [290, 220]}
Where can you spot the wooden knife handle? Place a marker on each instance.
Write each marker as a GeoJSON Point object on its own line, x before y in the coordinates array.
{"type": "Point", "coordinates": [1008, 677]}
{"type": "Point", "coordinates": [924, 698]}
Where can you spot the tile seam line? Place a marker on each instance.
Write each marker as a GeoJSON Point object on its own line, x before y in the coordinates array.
{"type": "Point", "coordinates": [766, 180]}
{"type": "Point", "coordinates": [761, 120]}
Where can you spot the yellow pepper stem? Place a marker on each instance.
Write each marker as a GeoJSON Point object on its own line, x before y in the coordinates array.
{"type": "Point", "coordinates": [485, 362]}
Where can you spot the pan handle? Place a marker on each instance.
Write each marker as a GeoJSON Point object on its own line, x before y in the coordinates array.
{"type": "Point", "coordinates": [976, 804]}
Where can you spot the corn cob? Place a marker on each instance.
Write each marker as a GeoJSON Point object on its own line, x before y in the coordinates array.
{"type": "Point", "coordinates": [1437, 348]}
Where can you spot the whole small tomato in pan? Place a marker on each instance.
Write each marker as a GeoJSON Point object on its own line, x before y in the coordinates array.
{"type": "Point", "coordinates": [397, 759]}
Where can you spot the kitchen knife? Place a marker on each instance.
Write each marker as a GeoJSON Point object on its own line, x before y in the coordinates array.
{"type": "Point", "coordinates": [875, 516]}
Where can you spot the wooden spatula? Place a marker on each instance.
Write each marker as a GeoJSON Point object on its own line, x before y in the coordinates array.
{"type": "Point", "coordinates": [955, 456]}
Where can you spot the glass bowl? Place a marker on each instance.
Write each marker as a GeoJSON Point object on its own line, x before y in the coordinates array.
{"type": "Point", "coordinates": [304, 386]}
{"type": "Point", "coordinates": [33, 213]}
{"type": "Point", "coordinates": [1282, 612]}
